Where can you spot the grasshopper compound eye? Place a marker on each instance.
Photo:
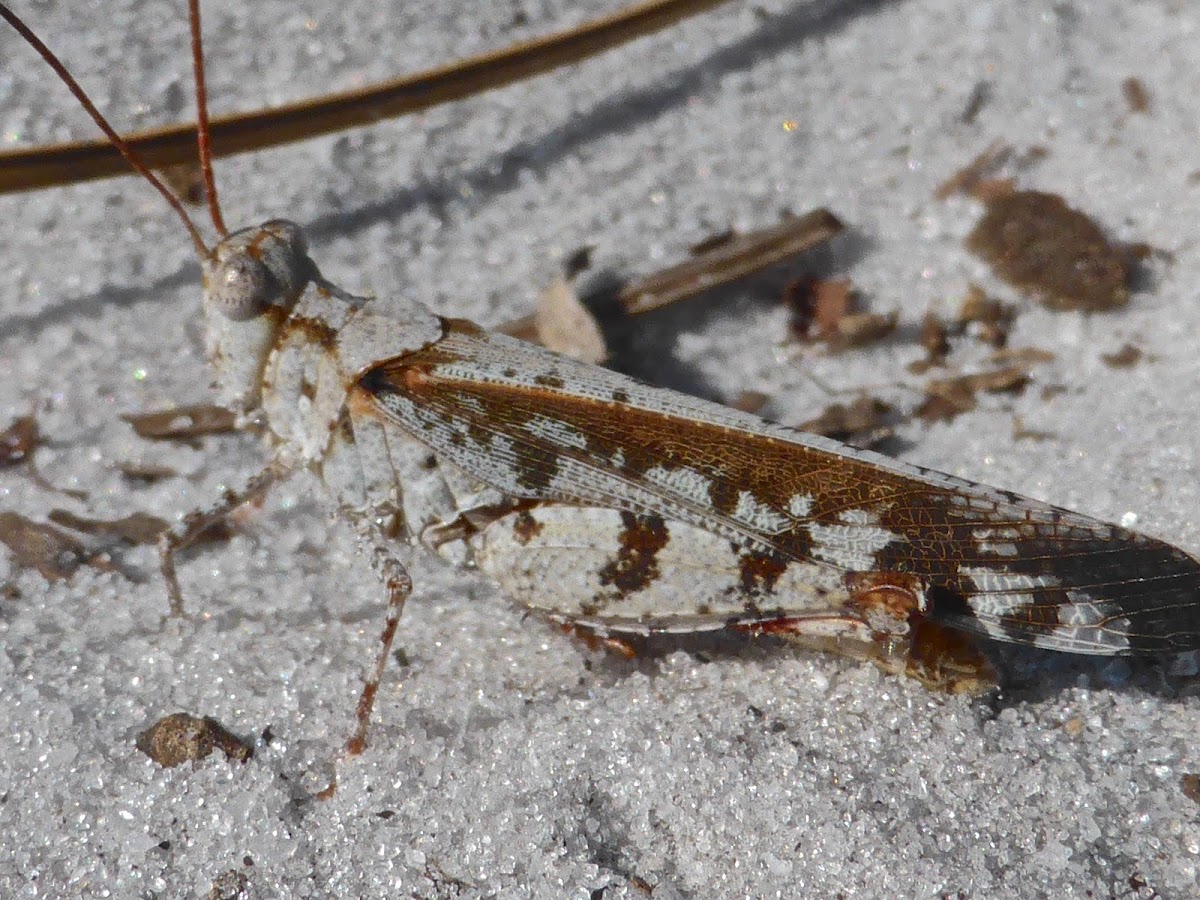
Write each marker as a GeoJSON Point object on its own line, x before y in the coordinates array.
{"type": "Point", "coordinates": [258, 268]}
{"type": "Point", "coordinates": [242, 288]}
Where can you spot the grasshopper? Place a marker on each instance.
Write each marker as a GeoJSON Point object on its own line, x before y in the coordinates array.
{"type": "Point", "coordinates": [623, 511]}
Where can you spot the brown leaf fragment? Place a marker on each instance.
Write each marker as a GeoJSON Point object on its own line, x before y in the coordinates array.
{"type": "Point", "coordinates": [860, 422]}
{"type": "Point", "coordinates": [182, 423]}
{"type": "Point", "coordinates": [1061, 257]}
{"type": "Point", "coordinates": [945, 403]}
{"type": "Point", "coordinates": [17, 445]}
{"type": "Point", "coordinates": [145, 472]}
{"type": "Point", "coordinates": [860, 329]}
{"type": "Point", "coordinates": [1140, 251]}
{"type": "Point", "coordinates": [993, 334]}
{"type": "Point", "coordinates": [984, 317]}
{"type": "Point", "coordinates": [980, 94]}
{"type": "Point", "coordinates": [947, 398]}
{"type": "Point", "coordinates": [181, 737]}
{"type": "Point", "coordinates": [185, 180]}
{"type": "Point", "coordinates": [18, 441]}
{"type": "Point", "coordinates": [1020, 356]}
{"type": "Point", "coordinates": [825, 309]}
{"type": "Point", "coordinates": [832, 300]}
{"type": "Point", "coordinates": [750, 401]}
{"type": "Point", "coordinates": [562, 321]}
{"type": "Point", "coordinates": [134, 529]}
{"type": "Point", "coordinates": [1189, 783]}
{"type": "Point", "coordinates": [935, 338]}
{"type": "Point", "coordinates": [1137, 98]}
{"type": "Point", "coordinates": [978, 307]}
{"type": "Point", "coordinates": [54, 553]}
{"type": "Point", "coordinates": [1125, 358]}
{"type": "Point", "coordinates": [966, 179]}
{"type": "Point", "coordinates": [817, 305]}
{"type": "Point", "coordinates": [987, 190]}
{"type": "Point", "coordinates": [1010, 380]}
{"type": "Point", "coordinates": [641, 885]}
{"type": "Point", "coordinates": [1021, 433]}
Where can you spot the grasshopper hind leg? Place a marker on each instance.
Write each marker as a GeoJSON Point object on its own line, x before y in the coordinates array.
{"type": "Point", "coordinates": [399, 587]}
{"type": "Point", "coordinates": [939, 657]}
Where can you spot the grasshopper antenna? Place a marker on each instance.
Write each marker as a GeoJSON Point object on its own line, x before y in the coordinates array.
{"type": "Point", "coordinates": [123, 148]}
{"type": "Point", "coordinates": [203, 132]}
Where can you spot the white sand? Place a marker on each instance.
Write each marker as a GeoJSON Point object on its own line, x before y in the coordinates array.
{"type": "Point", "coordinates": [507, 761]}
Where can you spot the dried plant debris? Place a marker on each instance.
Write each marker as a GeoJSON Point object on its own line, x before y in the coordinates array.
{"type": "Point", "coordinates": [184, 423]}
{"type": "Point", "coordinates": [57, 555]}
{"type": "Point", "coordinates": [562, 323]}
{"type": "Point", "coordinates": [947, 398]}
{"type": "Point", "coordinates": [134, 529]}
{"type": "Point", "coordinates": [1126, 357]}
{"type": "Point", "coordinates": [1019, 356]}
{"type": "Point", "coordinates": [229, 885]}
{"type": "Point", "coordinates": [54, 553]}
{"type": "Point", "coordinates": [18, 441]}
{"type": "Point", "coordinates": [17, 445]}
{"type": "Point", "coordinates": [968, 179]}
{"type": "Point", "coordinates": [181, 737]}
{"type": "Point", "coordinates": [861, 329]}
{"type": "Point", "coordinates": [985, 318]}
{"type": "Point", "coordinates": [826, 310]}
{"type": "Point", "coordinates": [147, 473]}
{"type": "Point", "coordinates": [750, 401]}
{"type": "Point", "coordinates": [728, 257]}
{"type": "Point", "coordinates": [980, 95]}
{"type": "Point", "coordinates": [935, 338]}
{"type": "Point", "coordinates": [186, 181]}
{"type": "Point", "coordinates": [862, 422]}
{"type": "Point", "coordinates": [1190, 785]}
{"type": "Point", "coordinates": [1137, 98]}
{"type": "Point", "coordinates": [712, 242]}
{"type": "Point", "coordinates": [1040, 245]}
{"type": "Point", "coordinates": [988, 318]}
{"type": "Point", "coordinates": [1023, 433]}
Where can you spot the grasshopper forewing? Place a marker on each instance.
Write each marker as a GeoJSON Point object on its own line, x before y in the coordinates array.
{"type": "Point", "coordinates": [624, 510]}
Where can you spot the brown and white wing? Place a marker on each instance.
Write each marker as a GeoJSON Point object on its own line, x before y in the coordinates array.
{"type": "Point", "coordinates": [540, 426]}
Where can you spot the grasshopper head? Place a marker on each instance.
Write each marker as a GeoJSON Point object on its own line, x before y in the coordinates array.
{"type": "Point", "coordinates": [252, 280]}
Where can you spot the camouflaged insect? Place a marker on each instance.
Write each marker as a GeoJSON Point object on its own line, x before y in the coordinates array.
{"type": "Point", "coordinates": [622, 511]}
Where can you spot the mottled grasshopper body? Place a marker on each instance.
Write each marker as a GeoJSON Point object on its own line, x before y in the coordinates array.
{"type": "Point", "coordinates": [642, 510]}
{"type": "Point", "coordinates": [624, 510]}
